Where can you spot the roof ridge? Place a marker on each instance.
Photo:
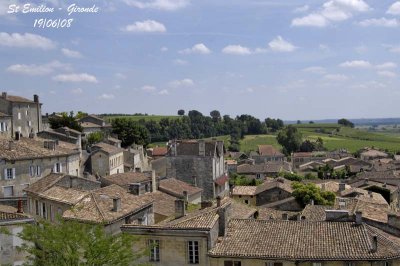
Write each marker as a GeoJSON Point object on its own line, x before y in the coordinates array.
{"type": "Point", "coordinates": [372, 229]}
{"type": "Point", "coordinates": [97, 205]}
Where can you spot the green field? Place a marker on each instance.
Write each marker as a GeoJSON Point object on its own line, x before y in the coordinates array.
{"type": "Point", "coordinates": [155, 118]}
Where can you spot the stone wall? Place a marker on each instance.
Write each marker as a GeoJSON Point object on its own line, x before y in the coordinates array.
{"type": "Point", "coordinates": [272, 195]}
{"type": "Point", "coordinates": [260, 262]}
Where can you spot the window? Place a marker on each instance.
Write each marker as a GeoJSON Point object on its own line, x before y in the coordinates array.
{"type": "Point", "coordinates": [232, 263]}
{"type": "Point", "coordinates": [9, 173]}
{"type": "Point", "coordinates": [43, 210]}
{"type": "Point", "coordinates": [193, 252]}
{"type": "Point", "coordinates": [246, 201]}
{"type": "Point", "coordinates": [29, 123]}
{"type": "Point", "coordinates": [26, 112]}
{"type": "Point", "coordinates": [274, 264]}
{"type": "Point", "coordinates": [38, 171]}
{"type": "Point", "coordinates": [154, 246]}
{"type": "Point", "coordinates": [8, 191]}
{"type": "Point", "coordinates": [349, 264]}
{"type": "Point", "coordinates": [258, 176]}
{"type": "Point", "coordinates": [36, 207]}
{"type": "Point", "coordinates": [57, 168]}
{"type": "Point", "coordinates": [32, 170]}
{"type": "Point", "coordinates": [3, 126]}
{"type": "Point", "coordinates": [19, 115]}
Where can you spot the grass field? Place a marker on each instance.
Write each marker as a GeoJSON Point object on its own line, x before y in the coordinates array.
{"type": "Point", "coordinates": [156, 118]}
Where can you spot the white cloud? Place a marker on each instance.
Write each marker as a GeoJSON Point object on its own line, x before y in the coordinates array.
{"type": "Point", "coordinates": [163, 92]}
{"type": "Point", "coordinates": [164, 49]}
{"type": "Point", "coordinates": [356, 64]}
{"type": "Point", "coordinates": [301, 9]}
{"type": "Point", "coordinates": [168, 5]}
{"type": "Point", "coordinates": [146, 26]}
{"type": "Point", "coordinates": [71, 53]}
{"type": "Point", "coordinates": [386, 65]}
{"type": "Point", "coordinates": [106, 96]}
{"type": "Point", "coordinates": [37, 70]}
{"type": "Point", "coordinates": [199, 48]}
{"type": "Point", "coordinates": [77, 91]}
{"type": "Point", "coordinates": [312, 20]}
{"type": "Point", "coordinates": [180, 62]}
{"type": "Point", "coordinates": [315, 70]}
{"type": "Point", "coordinates": [148, 88]}
{"type": "Point", "coordinates": [394, 9]}
{"type": "Point", "coordinates": [280, 45]}
{"type": "Point", "coordinates": [181, 83]}
{"type": "Point", "coordinates": [236, 50]}
{"type": "Point", "coordinates": [336, 77]}
{"type": "Point", "coordinates": [75, 77]}
{"type": "Point", "coordinates": [380, 22]}
{"type": "Point", "coordinates": [387, 74]}
{"type": "Point", "coordinates": [26, 40]}
{"type": "Point", "coordinates": [330, 12]}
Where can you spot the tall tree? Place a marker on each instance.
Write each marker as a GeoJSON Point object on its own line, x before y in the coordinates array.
{"type": "Point", "coordinates": [290, 139]}
{"type": "Point", "coordinates": [73, 243]}
{"type": "Point", "coordinates": [181, 112]}
{"type": "Point", "coordinates": [345, 122]}
{"type": "Point", "coordinates": [215, 115]}
{"type": "Point", "coordinates": [130, 132]}
{"type": "Point", "coordinates": [65, 120]}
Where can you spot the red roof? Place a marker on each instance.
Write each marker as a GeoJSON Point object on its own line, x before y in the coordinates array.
{"type": "Point", "coordinates": [160, 151]}
{"type": "Point", "coordinates": [221, 180]}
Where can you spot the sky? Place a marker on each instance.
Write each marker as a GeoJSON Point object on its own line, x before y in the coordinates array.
{"type": "Point", "coordinates": [287, 59]}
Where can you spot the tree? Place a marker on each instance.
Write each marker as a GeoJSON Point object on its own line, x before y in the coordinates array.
{"type": "Point", "coordinates": [311, 122]}
{"type": "Point", "coordinates": [73, 243]}
{"type": "Point", "coordinates": [307, 146]}
{"type": "Point", "coordinates": [290, 139]}
{"type": "Point", "coordinates": [298, 122]}
{"type": "Point", "coordinates": [95, 137]}
{"type": "Point", "coordinates": [345, 122]}
{"type": "Point", "coordinates": [215, 115]}
{"type": "Point", "coordinates": [65, 120]}
{"type": "Point", "coordinates": [181, 112]}
{"type": "Point", "coordinates": [130, 132]}
{"type": "Point", "coordinates": [81, 114]}
{"type": "Point", "coordinates": [274, 124]}
{"type": "Point", "coordinates": [304, 193]}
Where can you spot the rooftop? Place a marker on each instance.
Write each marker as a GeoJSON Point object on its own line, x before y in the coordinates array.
{"type": "Point", "coordinates": [107, 148]}
{"type": "Point", "coordinates": [269, 150]}
{"type": "Point", "coordinates": [27, 148]}
{"type": "Point", "coordinates": [191, 147]}
{"type": "Point", "coordinates": [124, 179]}
{"type": "Point", "coordinates": [159, 151]}
{"type": "Point", "coordinates": [176, 187]}
{"type": "Point", "coordinates": [19, 99]}
{"type": "Point", "coordinates": [319, 241]}
{"type": "Point", "coordinates": [244, 190]}
{"type": "Point", "coordinates": [270, 167]}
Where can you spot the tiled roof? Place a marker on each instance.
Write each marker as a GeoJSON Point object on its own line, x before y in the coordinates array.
{"type": "Point", "coordinates": [19, 99]}
{"type": "Point", "coordinates": [374, 153]}
{"type": "Point", "coordinates": [44, 183]}
{"type": "Point", "coordinates": [160, 151]}
{"type": "Point", "coordinates": [241, 211]}
{"type": "Point", "coordinates": [331, 186]}
{"type": "Point", "coordinates": [270, 167]}
{"type": "Point", "coordinates": [164, 204]}
{"type": "Point", "coordinates": [27, 148]}
{"type": "Point", "coordinates": [124, 179]}
{"type": "Point", "coordinates": [176, 187]}
{"type": "Point", "coordinates": [110, 149]}
{"type": "Point", "coordinates": [97, 205]}
{"type": "Point", "coordinates": [90, 125]}
{"type": "Point", "coordinates": [231, 162]}
{"type": "Point", "coordinates": [244, 190]}
{"type": "Point", "coordinates": [301, 240]}
{"type": "Point", "coordinates": [276, 183]}
{"type": "Point", "coordinates": [273, 214]}
{"type": "Point", "coordinates": [221, 180]}
{"type": "Point", "coordinates": [69, 196]}
{"type": "Point", "coordinates": [315, 212]}
{"type": "Point", "coordinates": [269, 150]}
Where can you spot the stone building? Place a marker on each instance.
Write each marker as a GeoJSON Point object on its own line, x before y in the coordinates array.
{"type": "Point", "coordinates": [264, 170]}
{"type": "Point", "coordinates": [290, 243]}
{"type": "Point", "coordinates": [135, 159]}
{"type": "Point", "coordinates": [5, 125]}
{"type": "Point", "coordinates": [186, 238]}
{"type": "Point", "coordinates": [26, 115]}
{"type": "Point", "coordinates": [27, 160]}
{"type": "Point", "coordinates": [267, 153]}
{"type": "Point", "coordinates": [180, 189]}
{"type": "Point", "coordinates": [369, 154]}
{"type": "Point", "coordinates": [13, 221]}
{"type": "Point", "coordinates": [269, 192]}
{"type": "Point", "coordinates": [200, 164]}
{"type": "Point", "coordinates": [106, 159]}
{"type": "Point", "coordinates": [92, 123]}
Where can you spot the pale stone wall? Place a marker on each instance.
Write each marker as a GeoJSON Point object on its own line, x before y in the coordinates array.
{"type": "Point", "coordinates": [70, 165]}
{"type": "Point", "coordinates": [9, 255]}
{"type": "Point", "coordinates": [6, 132]}
{"type": "Point", "coordinates": [251, 200]}
{"type": "Point", "coordinates": [53, 208]}
{"type": "Point", "coordinates": [271, 195]}
{"type": "Point", "coordinates": [101, 163]}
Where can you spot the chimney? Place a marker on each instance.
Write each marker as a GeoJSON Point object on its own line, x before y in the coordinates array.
{"type": "Point", "coordinates": [11, 145]}
{"type": "Point", "coordinates": [358, 217]}
{"type": "Point", "coordinates": [223, 219]}
{"type": "Point", "coordinates": [185, 196]}
{"type": "Point", "coordinates": [153, 181]}
{"type": "Point", "coordinates": [4, 95]}
{"type": "Point", "coordinates": [36, 98]}
{"type": "Point", "coordinates": [285, 216]}
{"type": "Point", "coordinates": [202, 147]}
{"type": "Point", "coordinates": [342, 186]}
{"type": "Point", "coordinates": [20, 209]}
{"type": "Point", "coordinates": [374, 243]}
{"type": "Point", "coordinates": [218, 201]}
{"type": "Point", "coordinates": [180, 210]}
{"type": "Point", "coordinates": [116, 204]}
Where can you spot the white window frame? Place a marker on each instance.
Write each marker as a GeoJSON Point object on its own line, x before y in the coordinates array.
{"type": "Point", "coordinates": [9, 173]}
{"type": "Point", "coordinates": [19, 115]}
{"type": "Point", "coordinates": [193, 252]}
{"type": "Point", "coordinates": [38, 171]}
{"type": "Point", "coordinates": [154, 245]}
{"type": "Point", "coordinates": [12, 190]}
{"type": "Point", "coordinates": [57, 167]}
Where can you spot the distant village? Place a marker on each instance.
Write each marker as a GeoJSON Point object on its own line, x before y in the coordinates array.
{"type": "Point", "coordinates": [185, 202]}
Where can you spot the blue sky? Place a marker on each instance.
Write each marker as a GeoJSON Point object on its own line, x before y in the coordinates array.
{"type": "Point", "coordinates": [289, 59]}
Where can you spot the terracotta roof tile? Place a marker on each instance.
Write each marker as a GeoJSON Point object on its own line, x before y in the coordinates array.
{"type": "Point", "coordinates": [176, 187]}
{"type": "Point", "coordinates": [124, 179]}
{"type": "Point", "coordinates": [160, 151]}
{"type": "Point", "coordinates": [110, 149]}
{"type": "Point", "coordinates": [244, 190]}
{"type": "Point", "coordinates": [269, 150]}
{"type": "Point", "coordinates": [301, 240]}
{"type": "Point", "coordinates": [19, 99]}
